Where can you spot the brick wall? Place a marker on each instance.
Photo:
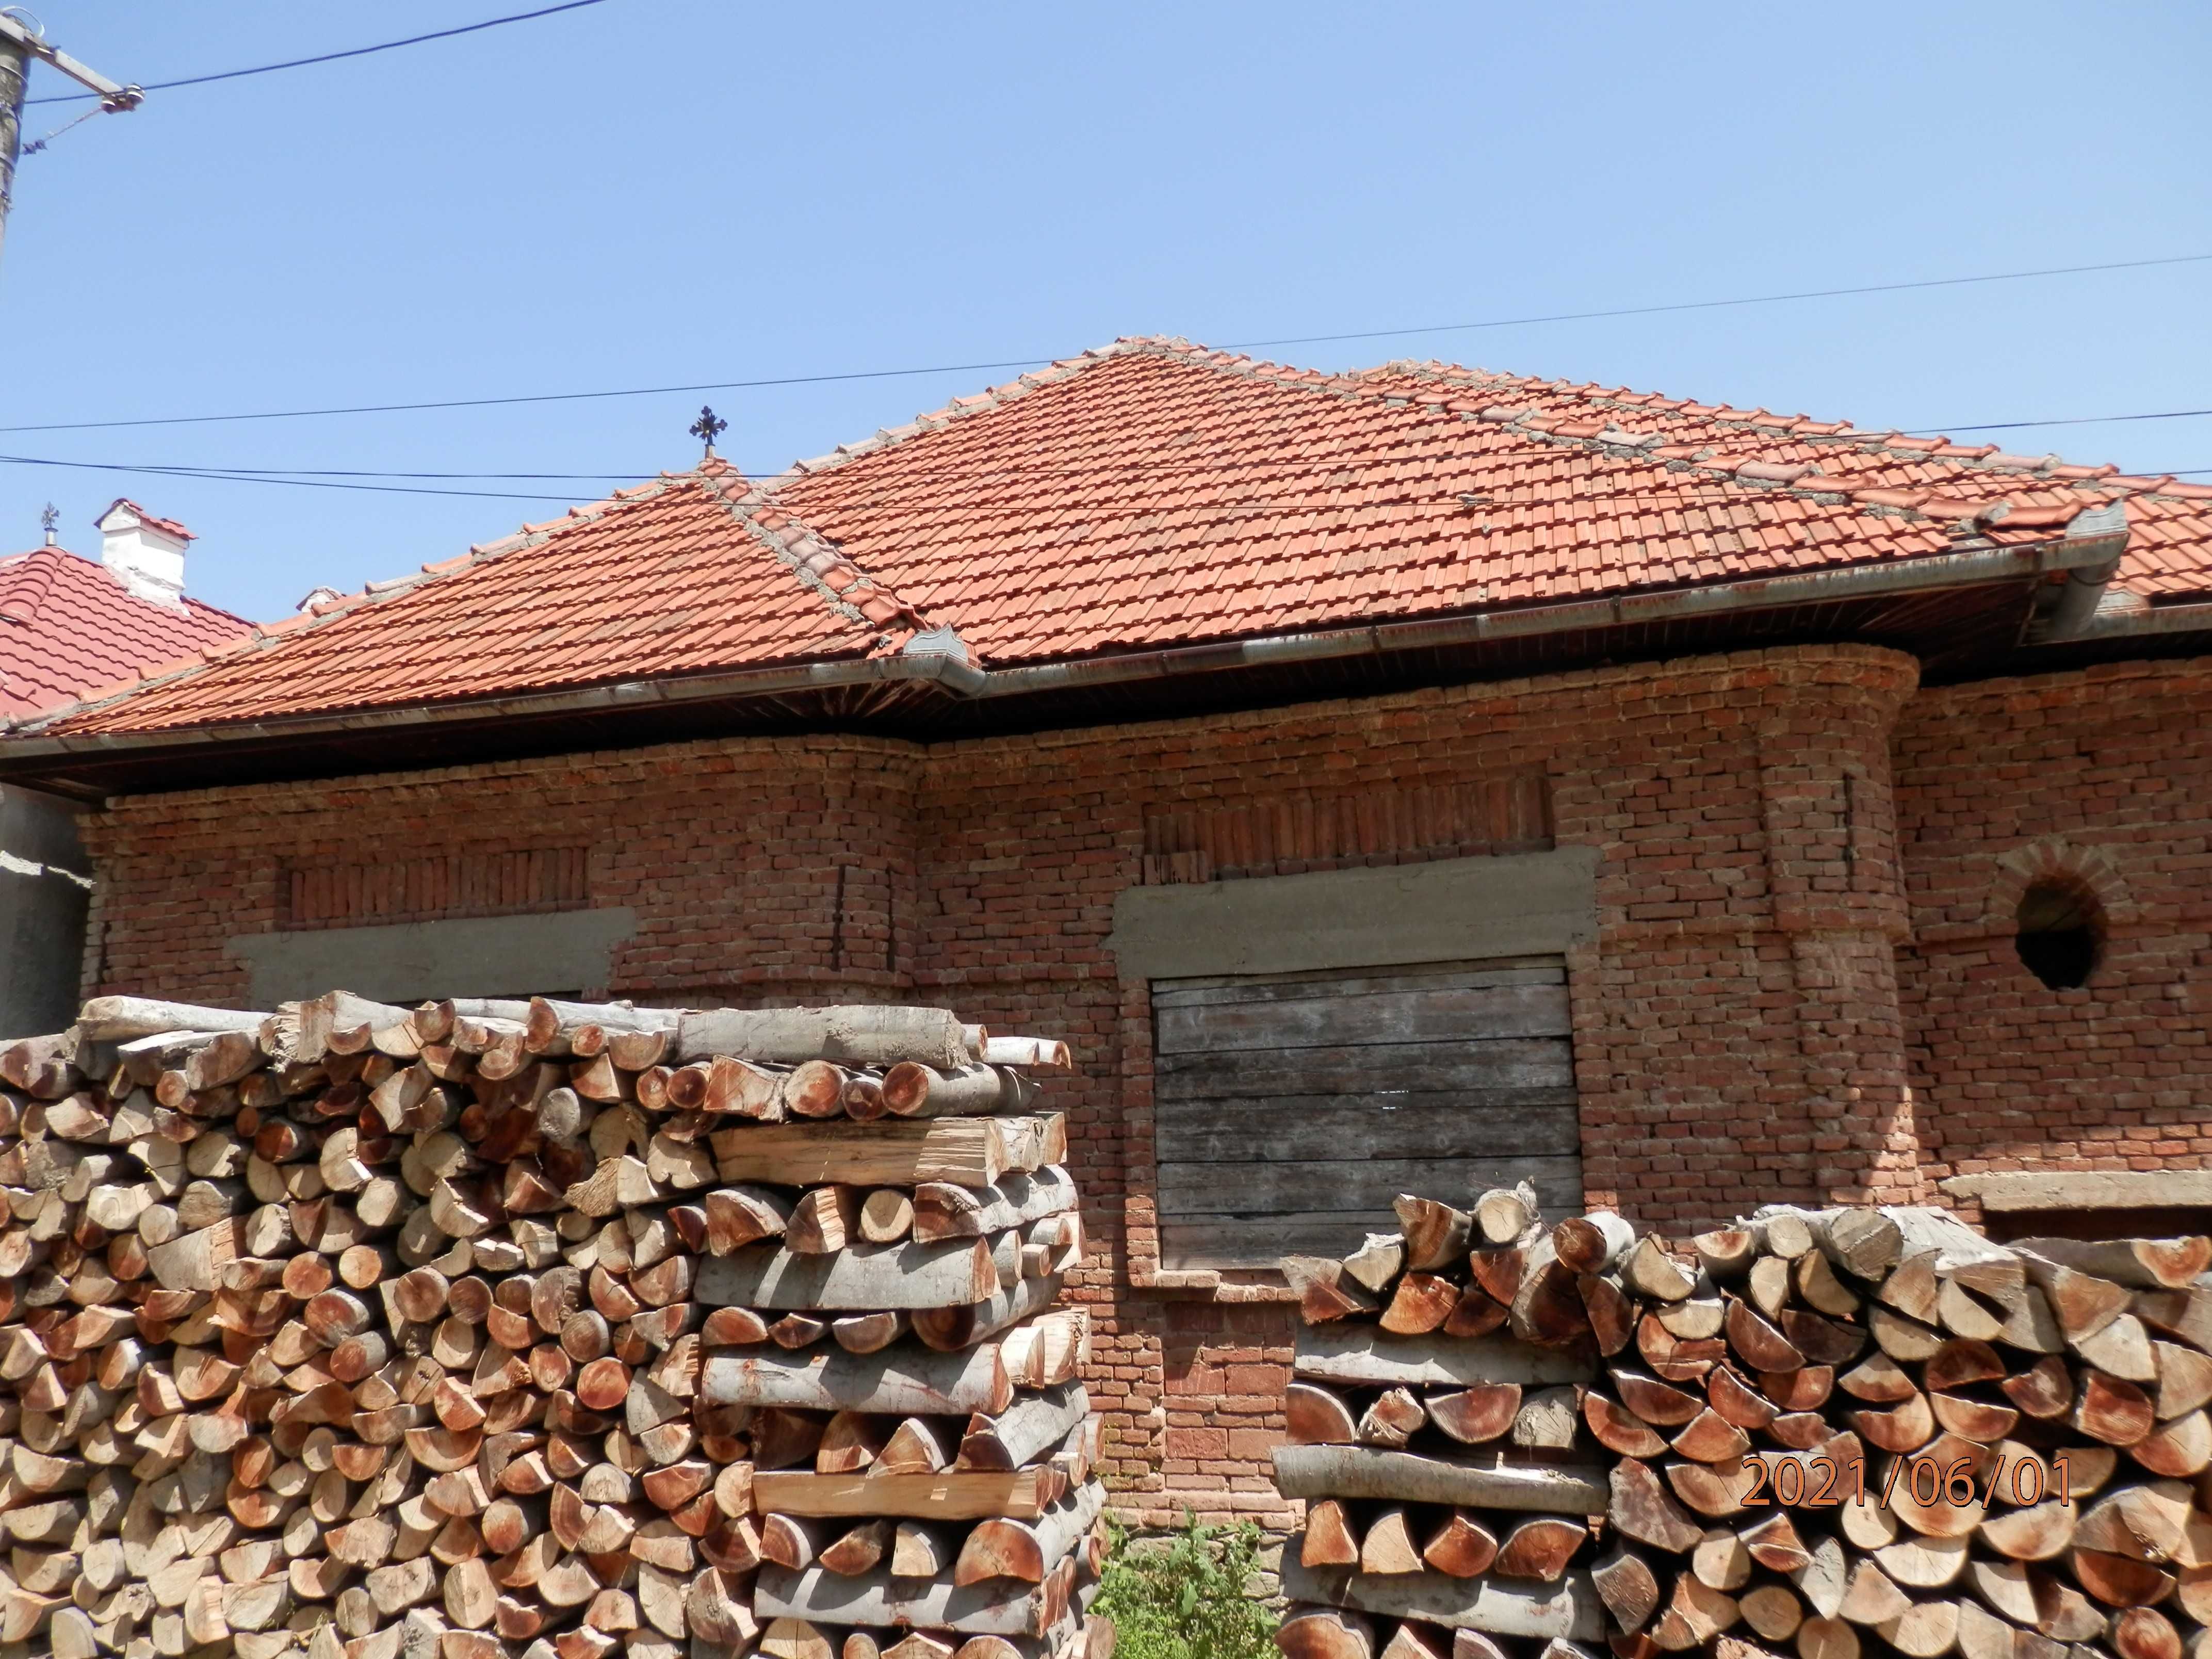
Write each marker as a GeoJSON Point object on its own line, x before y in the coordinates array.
{"type": "Point", "coordinates": [2101, 780]}
{"type": "Point", "coordinates": [1746, 1030]}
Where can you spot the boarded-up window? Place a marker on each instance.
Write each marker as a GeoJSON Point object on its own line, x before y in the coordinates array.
{"type": "Point", "coordinates": [1291, 1109]}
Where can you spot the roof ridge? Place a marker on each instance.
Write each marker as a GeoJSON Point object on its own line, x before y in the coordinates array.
{"type": "Point", "coordinates": [24, 590]}
{"type": "Point", "coordinates": [1890, 442]}
{"type": "Point", "coordinates": [935, 420]}
{"type": "Point", "coordinates": [1800, 479]}
{"type": "Point", "coordinates": [815, 562]}
{"type": "Point", "coordinates": [268, 636]}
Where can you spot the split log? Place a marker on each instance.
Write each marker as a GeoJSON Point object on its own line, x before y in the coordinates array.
{"type": "Point", "coordinates": [1388, 1546]}
{"type": "Point", "coordinates": [1362, 1357]}
{"type": "Point", "coordinates": [878, 1599]}
{"type": "Point", "coordinates": [1365, 1471]}
{"type": "Point", "coordinates": [1326, 1291]}
{"type": "Point", "coordinates": [1323, 1634]}
{"type": "Point", "coordinates": [858, 1035]}
{"type": "Point", "coordinates": [1328, 1540]}
{"type": "Point", "coordinates": [2139, 1263]}
{"type": "Point", "coordinates": [952, 1495]}
{"type": "Point", "coordinates": [1314, 1416]}
{"type": "Point", "coordinates": [1571, 1609]}
{"type": "Point", "coordinates": [1011, 1438]}
{"type": "Point", "coordinates": [864, 1276]}
{"type": "Point", "coordinates": [1459, 1546]}
{"type": "Point", "coordinates": [964, 1152]}
{"type": "Point", "coordinates": [1435, 1234]}
{"type": "Point", "coordinates": [943, 1210]}
{"type": "Point", "coordinates": [901, 1381]}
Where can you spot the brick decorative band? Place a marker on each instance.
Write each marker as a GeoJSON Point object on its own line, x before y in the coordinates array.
{"type": "Point", "coordinates": [1292, 833]}
{"type": "Point", "coordinates": [426, 889]}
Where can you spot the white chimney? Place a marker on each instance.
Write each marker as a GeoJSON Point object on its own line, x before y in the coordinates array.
{"type": "Point", "coordinates": [146, 553]}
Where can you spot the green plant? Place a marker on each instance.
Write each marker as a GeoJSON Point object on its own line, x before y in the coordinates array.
{"type": "Point", "coordinates": [1188, 1595]}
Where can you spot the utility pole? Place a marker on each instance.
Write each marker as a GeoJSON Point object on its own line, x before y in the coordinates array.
{"type": "Point", "coordinates": [19, 44]}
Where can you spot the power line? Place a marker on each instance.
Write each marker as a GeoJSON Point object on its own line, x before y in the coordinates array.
{"type": "Point", "coordinates": [1152, 469]}
{"type": "Point", "coordinates": [1722, 495]}
{"type": "Point", "coordinates": [764, 474]}
{"type": "Point", "coordinates": [1033, 362]}
{"type": "Point", "coordinates": [2075, 420]}
{"type": "Point", "coordinates": [1714, 305]}
{"type": "Point", "coordinates": [329, 56]}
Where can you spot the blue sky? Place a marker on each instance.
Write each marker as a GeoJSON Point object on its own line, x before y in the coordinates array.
{"type": "Point", "coordinates": [654, 192]}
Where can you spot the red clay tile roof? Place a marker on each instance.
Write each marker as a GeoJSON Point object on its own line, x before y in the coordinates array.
{"type": "Point", "coordinates": [169, 526]}
{"type": "Point", "coordinates": [67, 625]}
{"type": "Point", "coordinates": [1155, 494]}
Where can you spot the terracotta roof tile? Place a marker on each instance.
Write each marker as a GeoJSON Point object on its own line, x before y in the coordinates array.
{"type": "Point", "coordinates": [67, 624]}
{"type": "Point", "coordinates": [1153, 494]}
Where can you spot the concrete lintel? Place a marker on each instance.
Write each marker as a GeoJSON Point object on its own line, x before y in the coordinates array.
{"type": "Point", "coordinates": [2011, 1191]}
{"type": "Point", "coordinates": [405, 962]}
{"type": "Point", "coordinates": [1452, 910]}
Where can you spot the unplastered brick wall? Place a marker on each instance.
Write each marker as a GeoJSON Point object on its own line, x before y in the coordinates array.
{"type": "Point", "coordinates": [1739, 1034]}
{"type": "Point", "coordinates": [2099, 780]}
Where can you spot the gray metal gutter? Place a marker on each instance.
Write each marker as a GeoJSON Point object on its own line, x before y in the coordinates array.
{"type": "Point", "coordinates": [2136, 622]}
{"type": "Point", "coordinates": [926, 668]}
{"type": "Point", "coordinates": [1965, 567]}
{"type": "Point", "coordinates": [937, 657]}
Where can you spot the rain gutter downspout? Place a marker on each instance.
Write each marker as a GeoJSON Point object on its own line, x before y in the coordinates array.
{"type": "Point", "coordinates": [2085, 584]}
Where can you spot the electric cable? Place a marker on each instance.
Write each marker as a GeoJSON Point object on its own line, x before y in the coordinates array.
{"type": "Point", "coordinates": [774, 381]}
{"type": "Point", "coordinates": [1725, 495]}
{"type": "Point", "coordinates": [326, 56]}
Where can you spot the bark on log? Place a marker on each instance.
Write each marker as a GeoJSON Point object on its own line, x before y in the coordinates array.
{"type": "Point", "coordinates": [862, 1278]}
{"type": "Point", "coordinates": [1360, 1356]}
{"type": "Point", "coordinates": [903, 1382]}
{"type": "Point", "coordinates": [964, 1152]}
{"type": "Point", "coordinates": [853, 1036]}
{"type": "Point", "coordinates": [1571, 1609]}
{"type": "Point", "coordinates": [878, 1599]}
{"type": "Point", "coordinates": [1493, 1483]}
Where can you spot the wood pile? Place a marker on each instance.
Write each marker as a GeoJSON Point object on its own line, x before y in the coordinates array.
{"type": "Point", "coordinates": [494, 1329]}
{"type": "Point", "coordinates": [1837, 1432]}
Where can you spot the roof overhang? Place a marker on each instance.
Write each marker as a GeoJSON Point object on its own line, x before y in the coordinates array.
{"type": "Point", "coordinates": [1972, 603]}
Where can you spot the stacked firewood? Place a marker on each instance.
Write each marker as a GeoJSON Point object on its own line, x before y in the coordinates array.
{"type": "Point", "coordinates": [1845, 1432]}
{"type": "Point", "coordinates": [502, 1328]}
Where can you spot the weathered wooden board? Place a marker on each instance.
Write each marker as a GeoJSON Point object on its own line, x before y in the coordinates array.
{"type": "Point", "coordinates": [1353, 1183]}
{"type": "Point", "coordinates": [1288, 987]}
{"type": "Point", "coordinates": [1430, 1125]}
{"type": "Point", "coordinates": [1474, 1062]}
{"type": "Point", "coordinates": [1328, 1016]}
{"type": "Point", "coordinates": [1210, 1241]}
{"type": "Point", "coordinates": [1283, 1103]}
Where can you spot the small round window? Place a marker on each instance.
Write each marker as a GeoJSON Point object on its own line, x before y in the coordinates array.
{"type": "Point", "coordinates": [2060, 935]}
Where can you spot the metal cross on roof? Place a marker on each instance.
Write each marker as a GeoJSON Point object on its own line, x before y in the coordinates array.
{"type": "Point", "coordinates": [708, 427]}
{"type": "Point", "coordinates": [49, 520]}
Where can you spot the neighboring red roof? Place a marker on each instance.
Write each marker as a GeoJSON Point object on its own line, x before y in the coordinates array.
{"type": "Point", "coordinates": [68, 625]}
{"type": "Point", "coordinates": [1155, 494]}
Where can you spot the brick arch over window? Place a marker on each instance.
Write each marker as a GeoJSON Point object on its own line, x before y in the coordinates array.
{"type": "Point", "coordinates": [2053, 858]}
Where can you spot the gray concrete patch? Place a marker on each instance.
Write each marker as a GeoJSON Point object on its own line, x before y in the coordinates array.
{"type": "Point", "coordinates": [1452, 910]}
{"type": "Point", "coordinates": [2012, 1191]}
{"type": "Point", "coordinates": [405, 962]}
{"type": "Point", "coordinates": [44, 896]}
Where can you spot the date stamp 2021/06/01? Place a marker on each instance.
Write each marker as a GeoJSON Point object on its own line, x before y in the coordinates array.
{"type": "Point", "coordinates": [1824, 1482]}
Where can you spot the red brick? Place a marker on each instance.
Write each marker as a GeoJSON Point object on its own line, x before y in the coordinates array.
{"type": "Point", "coordinates": [1804, 984]}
